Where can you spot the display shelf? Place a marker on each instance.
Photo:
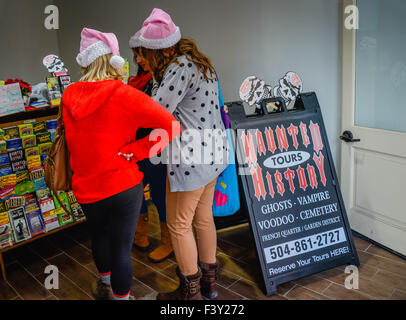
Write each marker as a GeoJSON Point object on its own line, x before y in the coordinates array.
{"type": "Point", "coordinates": [16, 245]}
{"type": "Point", "coordinates": [19, 117]}
{"type": "Point", "coordinates": [42, 235]}
{"type": "Point", "coordinates": [14, 120]}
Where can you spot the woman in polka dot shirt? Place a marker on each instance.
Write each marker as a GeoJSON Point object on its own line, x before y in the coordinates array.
{"type": "Point", "coordinates": [189, 90]}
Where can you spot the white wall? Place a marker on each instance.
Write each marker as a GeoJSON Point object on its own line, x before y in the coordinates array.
{"type": "Point", "coordinates": [24, 40]}
{"type": "Point", "coordinates": [265, 38]}
{"type": "Point", "coordinates": [260, 37]}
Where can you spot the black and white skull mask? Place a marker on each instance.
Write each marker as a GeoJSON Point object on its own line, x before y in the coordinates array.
{"type": "Point", "coordinates": [252, 90]}
{"type": "Point", "coordinates": [290, 86]}
{"type": "Point", "coordinates": [53, 64]}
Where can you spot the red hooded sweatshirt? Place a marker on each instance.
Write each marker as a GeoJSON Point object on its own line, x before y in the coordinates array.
{"type": "Point", "coordinates": [101, 119]}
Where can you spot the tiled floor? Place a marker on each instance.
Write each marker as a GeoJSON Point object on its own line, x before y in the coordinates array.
{"type": "Point", "coordinates": [382, 275]}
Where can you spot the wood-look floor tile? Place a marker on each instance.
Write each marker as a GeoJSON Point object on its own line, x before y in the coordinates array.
{"type": "Point", "coordinates": [313, 283]}
{"type": "Point", "coordinates": [26, 285]}
{"type": "Point", "coordinates": [382, 263]}
{"type": "Point", "coordinates": [250, 256]}
{"type": "Point", "coordinates": [92, 268]}
{"type": "Point", "coordinates": [250, 272]}
{"type": "Point", "coordinates": [360, 244]}
{"type": "Point", "coordinates": [231, 250]}
{"type": "Point", "coordinates": [74, 271]}
{"type": "Point", "coordinates": [301, 293]}
{"type": "Point", "coordinates": [32, 262]}
{"type": "Point", "coordinates": [284, 288]}
{"type": "Point", "coordinates": [369, 287]}
{"type": "Point", "coordinates": [240, 236]}
{"type": "Point", "coordinates": [170, 271]}
{"type": "Point", "coordinates": [139, 289]}
{"type": "Point", "coordinates": [79, 231]}
{"type": "Point", "coordinates": [11, 256]}
{"type": "Point", "coordinates": [87, 243]}
{"type": "Point", "coordinates": [386, 254]}
{"type": "Point", "coordinates": [152, 278]}
{"type": "Point", "coordinates": [74, 249]}
{"type": "Point", "coordinates": [399, 295]}
{"type": "Point", "coordinates": [143, 257]}
{"type": "Point", "coordinates": [338, 292]}
{"type": "Point", "coordinates": [67, 289]}
{"type": "Point", "coordinates": [225, 294]}
{"type": "Point", "coordinates": [390, 279]}
{"type": "Point", "coordinates": [251, 291]}
{"type": "Point", "coordinates": [45, 248]}
{"type": "Point", "coordinates": [6, 291]}
{"type": "Point", "coordinates": [365, 270]}
{"type": "Point", "coordinates": [82, 235]}
{"type": "Point", "coordinates": [226, 278]}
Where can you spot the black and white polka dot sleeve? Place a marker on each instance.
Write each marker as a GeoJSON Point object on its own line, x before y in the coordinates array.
{"type": "Point", "coordinates": [173, 87]}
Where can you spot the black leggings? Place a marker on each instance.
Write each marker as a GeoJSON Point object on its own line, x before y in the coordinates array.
{"type": "Point", "coordinates": [112, 223]}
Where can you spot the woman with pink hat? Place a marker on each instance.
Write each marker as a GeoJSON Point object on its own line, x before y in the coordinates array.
{"type": "Point", "coordinates": [101, 116]}
{"type": "Point", "coordinates": [188, 88]}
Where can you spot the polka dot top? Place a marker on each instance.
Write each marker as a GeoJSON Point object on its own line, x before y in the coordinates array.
{"type": "Point", "coordinates": [199, 154]}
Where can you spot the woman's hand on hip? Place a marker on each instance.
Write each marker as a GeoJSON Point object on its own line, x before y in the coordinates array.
{"type": "Point", "coordinates": [127, 156]}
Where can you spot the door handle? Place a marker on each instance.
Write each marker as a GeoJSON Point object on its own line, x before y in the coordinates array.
{"type": "Point", "coordinates": [348, 137]}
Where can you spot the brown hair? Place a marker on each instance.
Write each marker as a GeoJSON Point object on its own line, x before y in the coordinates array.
{"type": "Point", "coordinates": [158, 62]}
{"type": "Point", "coordinates": [101, 69]}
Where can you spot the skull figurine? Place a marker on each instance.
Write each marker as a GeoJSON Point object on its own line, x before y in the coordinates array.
{"type": "Point", "coordinates": [54, 64]}
{"type": "Point", "coordinates": [290, 86]}
{"type": "Point", "coordinates": [253, 90]}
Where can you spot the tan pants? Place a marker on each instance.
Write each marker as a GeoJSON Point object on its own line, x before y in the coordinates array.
{"type": "Point", "coordinates": [184, 209]}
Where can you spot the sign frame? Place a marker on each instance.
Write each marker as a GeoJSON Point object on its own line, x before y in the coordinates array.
{"type": "Point", "coordinates": [305, 106]}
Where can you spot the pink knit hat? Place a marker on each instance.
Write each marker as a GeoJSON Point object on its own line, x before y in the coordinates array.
{"type": "Point", "coordinates": [157, 32]}
{"type": "Point", "coordinates": [94, 44]}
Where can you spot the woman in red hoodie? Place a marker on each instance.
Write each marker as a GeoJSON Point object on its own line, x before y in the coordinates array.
{"type": "Point", "coordinates": [101, 116]}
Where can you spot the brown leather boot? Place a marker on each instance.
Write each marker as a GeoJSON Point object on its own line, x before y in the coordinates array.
{"type": "Point", "coordinates": [141, 235]}
{"type": "Point", "coordinates": [189, 288]}
{"type": "Point", "coordinates": [164, 250]}
{"type": "Point", "coordinates": [102, 291]}
{"type": "Point", "coordinates": [208, 281]}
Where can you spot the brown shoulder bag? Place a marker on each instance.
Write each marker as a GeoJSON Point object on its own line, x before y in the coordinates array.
{"type": "Point", "coordinates": [58, 173]}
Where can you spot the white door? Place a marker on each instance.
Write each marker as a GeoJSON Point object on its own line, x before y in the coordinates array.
{"type": "Point", "coordinates": [373, 170]}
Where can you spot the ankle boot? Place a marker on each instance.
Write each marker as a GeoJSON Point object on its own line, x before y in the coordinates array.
{"type": "Point", "coordinates": [208, 281]}
{"type": "Point", "coordinates": [101, 291]}
{"type": "Point", "coordinates": [141, 235]}
{"type": "Point", "coordinates": [189, 288]}
{"type": "Point", "coordinates": [164, 250]}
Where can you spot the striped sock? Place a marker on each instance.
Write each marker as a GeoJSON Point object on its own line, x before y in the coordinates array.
{"type": "Point", "coordinates": [124, 297]}
{"type": "Point", "coordinates": [105, 278]}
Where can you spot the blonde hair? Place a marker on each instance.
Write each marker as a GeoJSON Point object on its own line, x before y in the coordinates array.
{"type": "Point", "coordinates": [101, 69]}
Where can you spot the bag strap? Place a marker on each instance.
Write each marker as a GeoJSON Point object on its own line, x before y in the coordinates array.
{"type": "Point", "coordinates": [59, 117]}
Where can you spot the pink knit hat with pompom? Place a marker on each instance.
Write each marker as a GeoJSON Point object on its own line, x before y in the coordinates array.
{"type": "Point", "coordinates": [157, 32]}
{"type": "Point", "coordinates": [94, 44]}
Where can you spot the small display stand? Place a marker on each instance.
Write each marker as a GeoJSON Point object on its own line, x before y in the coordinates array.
{"type": "Point", "coordinates": [296, 210]}
{"type": "Point", "coordinates": [32, 116]}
